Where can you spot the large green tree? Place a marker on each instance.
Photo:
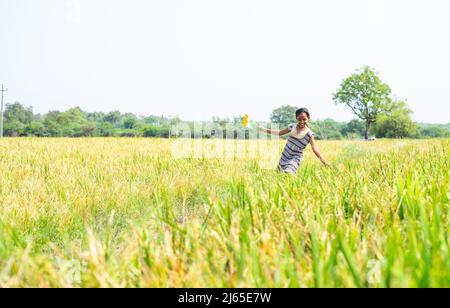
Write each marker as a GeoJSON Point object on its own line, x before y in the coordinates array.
{"type": "Point", "coordinates": [366, 95]}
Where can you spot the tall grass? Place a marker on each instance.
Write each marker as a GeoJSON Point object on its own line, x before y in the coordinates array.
{"type": "Point", "coordinates": [125, 213]}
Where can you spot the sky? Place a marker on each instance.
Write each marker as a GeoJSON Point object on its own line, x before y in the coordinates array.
{"type": "Point", "coordinates": [202, 58]}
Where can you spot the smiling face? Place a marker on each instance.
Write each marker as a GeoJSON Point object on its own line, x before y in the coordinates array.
{"type": "Point", "coordinates": [302, 120]}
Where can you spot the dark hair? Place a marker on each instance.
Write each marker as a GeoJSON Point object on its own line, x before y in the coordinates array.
{"type": "Point", "coordinates": [302, 110]}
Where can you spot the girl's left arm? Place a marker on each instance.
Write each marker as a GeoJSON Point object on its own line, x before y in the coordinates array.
{"type": "Point", "coordinates": [317, 152]}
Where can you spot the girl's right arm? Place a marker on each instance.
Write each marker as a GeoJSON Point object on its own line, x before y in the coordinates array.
{"type": "Point", "coordinates": [274, 132]}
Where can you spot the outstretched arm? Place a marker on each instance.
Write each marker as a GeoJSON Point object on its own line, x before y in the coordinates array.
{"type": "Point", "coordinates": [274, 132]}
{"type": "Point", "coordinates": [317, 152]}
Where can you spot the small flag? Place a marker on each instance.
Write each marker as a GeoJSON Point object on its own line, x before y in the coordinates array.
{"type": "Point", "coordinates": [246, 122]}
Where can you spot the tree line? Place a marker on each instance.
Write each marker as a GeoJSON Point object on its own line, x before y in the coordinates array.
{"type": "Point", "coordinates": [20, 121]}
{"type": "Point", "coordinates": [378, 114]}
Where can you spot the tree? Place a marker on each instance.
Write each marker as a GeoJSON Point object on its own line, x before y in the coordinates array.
{"type": "Point", "coordinates": [366, 95]}
{"type": "Point", "coordinates": [52, 125]}
{"type": "Point", "coordinates": [112, 117]}
{"type": "Point", "coordinates": [151, 131]}
{"type": "Point", "coordinates": [71, 123]}
{"type": "Point", "coordinates": [155, 120]}
{"type": "Point", "coordinates": [327, 129]}
{"type": "Point", "coordinates": [86, 130]}
{"type": "Point", "coordinates": [17, 112]}
{"type": "Point", "coordinates": [284, 115]}
{"type": "Point", "coordinates": [433, 132]}
{"type": "Point", "coordinates": [104, 129]}
{"type": "Point", "coordinates": [95, 116]}
{"type": "Point", "coordinates": [14, 128]}
{"type": "Point", "coordinates": [35, 128]}
{"type": "Point", "coordinates": [397, 123]}
{"type": "Point", "coordinates": [17, 117]}
{"type": "Point", "coordinates": [74, 123]}
{"type": "Point", "coordinates": [130, 121]}
{"type": "Point", "coordinates": [354, 128]}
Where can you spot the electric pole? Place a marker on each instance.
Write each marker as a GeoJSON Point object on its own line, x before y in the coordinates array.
{"type": "Point", "coordinates": [1, 116]}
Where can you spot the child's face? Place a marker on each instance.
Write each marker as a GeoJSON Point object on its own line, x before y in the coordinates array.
{"type": "Point", "coordinates": [302, 120]}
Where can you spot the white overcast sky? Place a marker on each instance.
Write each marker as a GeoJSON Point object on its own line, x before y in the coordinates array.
{"type": "Point", "coordinates": [199, 58]}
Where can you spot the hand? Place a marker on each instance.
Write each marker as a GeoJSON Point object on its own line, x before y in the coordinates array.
{"type": "Point", "coordinates": [327, 164]}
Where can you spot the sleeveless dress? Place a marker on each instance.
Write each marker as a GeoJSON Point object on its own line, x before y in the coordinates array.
{"type": "Point", "coordinates": [292, 155]}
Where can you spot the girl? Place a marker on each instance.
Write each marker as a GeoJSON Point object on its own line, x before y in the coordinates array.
{"type": "Point", "coordinates": [300, 136]}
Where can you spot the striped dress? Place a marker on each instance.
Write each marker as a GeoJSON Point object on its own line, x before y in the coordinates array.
{"type": "Point", "coordinates": [292, 155]}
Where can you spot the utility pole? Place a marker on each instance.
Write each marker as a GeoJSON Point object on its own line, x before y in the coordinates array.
{"type": "Point", "coordinates": [1, 116]}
